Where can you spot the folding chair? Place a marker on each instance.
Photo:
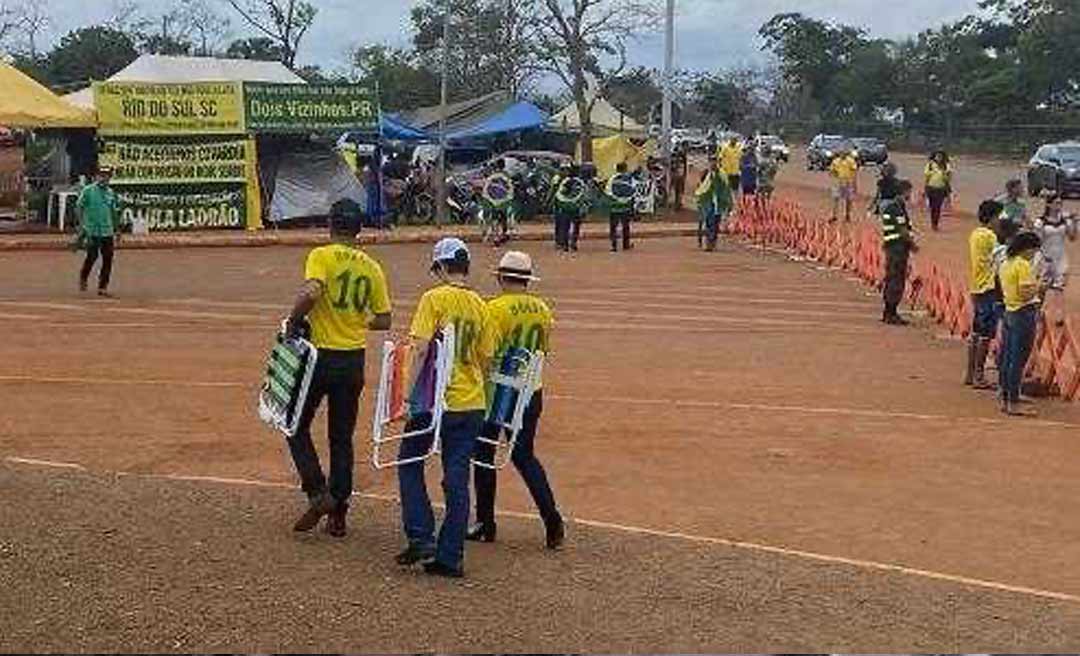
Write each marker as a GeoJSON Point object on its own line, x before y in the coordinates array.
{"type": "Point", "coordinates": [289, 370]}
{"type": "Point", "coordinates": [391, 402]}
{"type": "Point", "coordinates": [514, 384]}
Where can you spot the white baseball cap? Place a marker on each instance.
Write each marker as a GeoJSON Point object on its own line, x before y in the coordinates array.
{"type": "Point", "coordinates": [448, 248]}
{"type": "Point", "coordinates": [515, 264]}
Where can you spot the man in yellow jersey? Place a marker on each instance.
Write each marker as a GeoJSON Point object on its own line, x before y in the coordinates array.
{"type": "Point", "coordinates": [985, 296]}
{"type": "Point", "coordinates": [522, 320]}
{"type": "Point", "coordinates": [449, 302]}
{"type": "Point", "coordinates": [844, 168]}
{"type": "Point", "coordinates": [344, 296]}
{"type": "Point", "coordinates": [1020, 289]}
{"type": "Point", "coordinates": [730, 163]}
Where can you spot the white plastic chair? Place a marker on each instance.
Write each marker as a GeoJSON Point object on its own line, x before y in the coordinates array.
{"type": "Point", "coordinates": [386, 414]}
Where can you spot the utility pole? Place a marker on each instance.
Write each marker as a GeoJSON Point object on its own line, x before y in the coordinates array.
{"type": "Point", "coordinates": [669, 71]}
{"type": "Point", "coordinates": [440, 212]}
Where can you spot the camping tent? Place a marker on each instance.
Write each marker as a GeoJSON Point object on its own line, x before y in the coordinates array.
{"type": "Point", "coordinates": [477, 118]}
{"type": "Point", "coordinates": [606, 120]}
{"type": "Point", "coordinates": [173, 70]}
{"type": "Point", "coordinates": [26, 104]}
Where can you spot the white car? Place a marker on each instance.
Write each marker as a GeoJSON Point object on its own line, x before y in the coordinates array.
{"type": "Point", "coordinates": [767, 144]}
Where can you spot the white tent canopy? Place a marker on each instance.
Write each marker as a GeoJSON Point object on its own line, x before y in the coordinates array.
{"type": "Point", "coordinates": [173, 70]}
{"type": "Point", "coordinates": [606, 119]}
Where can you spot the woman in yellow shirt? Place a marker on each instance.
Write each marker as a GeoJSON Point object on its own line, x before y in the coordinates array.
{"type": "Point", "coordinates": [938, 176]}
{"type": "Point", "coordinates": [1020, 289]}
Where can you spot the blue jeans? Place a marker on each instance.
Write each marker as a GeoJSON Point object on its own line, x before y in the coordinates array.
{"type": "Point", "coordinates": [1017, 341]}
{"type": "Point", "coordinates": [459, 432]}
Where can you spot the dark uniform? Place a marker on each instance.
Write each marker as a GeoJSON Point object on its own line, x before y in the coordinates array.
{"type": "Point", "coordinates": [620, 192]}
{"type": "Point", "coordinates": [898, 243]}
{"type": "Point", "coordinates": [571, 199]}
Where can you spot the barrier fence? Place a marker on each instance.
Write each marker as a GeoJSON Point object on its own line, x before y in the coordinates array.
{"type": "Point", "coordinates": [1054, 366]}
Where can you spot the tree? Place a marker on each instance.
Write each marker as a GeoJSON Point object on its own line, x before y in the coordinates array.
{"type": "Point", "coordinates": [635, 92]}
{"type": "Point", "coordinates": [575, 38]}
{"type": "Point", "coordinates": [87, 54]}
{"type": "Point", "coordinates": [284, 22]}
{"type": "Point", "coordinates": [490, 47]}
{"type": "Point", "coordinates": [401, 82]}
{"type": "Point", "coordinates": [811, 54]}
{"type": "Point", "coordinates": [257, 48]}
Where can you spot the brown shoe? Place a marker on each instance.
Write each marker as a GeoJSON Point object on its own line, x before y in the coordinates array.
{"type": "Point", "coordinates": [320, 505]}
{"type": "Point", "coordinates": [335, 521]}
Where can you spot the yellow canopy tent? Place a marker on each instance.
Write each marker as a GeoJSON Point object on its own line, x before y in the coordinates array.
{"type": "Point", "coordinates": [609, 151]}
{"type": "Point", "coordinates": [27, 104]}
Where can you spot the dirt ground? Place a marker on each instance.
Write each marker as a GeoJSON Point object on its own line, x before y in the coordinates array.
{"type": "Point", "coordinates": [751, 460]}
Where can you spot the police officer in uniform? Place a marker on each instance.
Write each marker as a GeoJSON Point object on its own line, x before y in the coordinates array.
{"type": "Point", "coordinates": [899, 243]}
{"type": "Point", "coordinates": [620, 192]}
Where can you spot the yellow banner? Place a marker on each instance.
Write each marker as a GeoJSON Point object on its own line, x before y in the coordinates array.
{"type": "Point", "coordinates": [139, 108]}
{"type": "Point", "coordinates": [177, 162]}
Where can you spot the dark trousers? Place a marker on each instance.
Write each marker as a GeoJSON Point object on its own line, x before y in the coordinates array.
{"type": "Point", "coordinates": [459, 433]}
{"type": "Point", "coordinates": [735, 183]}
{"type": "Point", "coordinates": [94, 246]}
{"type": "Point", "coordinates": [1018, 338]}
{"type": "Point", "coordinates": [615, 220]}
{"type": "Point", "coordinates": [678, 187]}
{"type": "Point", "coordinates": [563, 220]}
{"type": "Point", "coordinates": [524, 459]}
{"type": "Point", "coordinates": [936, 198]}
{"type": "Point", "coordinates": [896, 265]}
{"type": "Point", "coordinates": [339, 376]}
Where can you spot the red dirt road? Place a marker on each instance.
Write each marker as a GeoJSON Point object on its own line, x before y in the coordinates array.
{"type": "Point", "coordinates": [731, 396]}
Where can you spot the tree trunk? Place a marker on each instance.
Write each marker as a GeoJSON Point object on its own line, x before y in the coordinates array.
{"type": "Point", "coordinates": [584, 107]}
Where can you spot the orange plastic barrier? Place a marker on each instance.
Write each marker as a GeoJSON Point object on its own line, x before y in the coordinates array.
{"type": "Point", "coordinates": [1055, 360]}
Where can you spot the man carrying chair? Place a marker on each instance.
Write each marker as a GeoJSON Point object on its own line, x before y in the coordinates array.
{"type": "Point", "coordinates": [344, 296]}
{"type": "Point", "coordinates": [522, 320]}
{"type": "Point", "coordinates": [449, 303]}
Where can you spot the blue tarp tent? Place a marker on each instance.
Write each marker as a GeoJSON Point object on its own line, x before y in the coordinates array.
{"type": "Point", "coordinates": [478, 118]}
{"type": "Point", "coordinates": [515, 118]}
{"type": "Point", "coordinates": [392, 127]}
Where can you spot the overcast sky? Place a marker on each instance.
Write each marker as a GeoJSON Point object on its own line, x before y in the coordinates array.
{"type": "Point", "coordinates": [710, 34]}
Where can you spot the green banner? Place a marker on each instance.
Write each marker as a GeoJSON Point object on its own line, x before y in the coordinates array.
{"type": "Point", "coordinates": [309, 107]}
{"type": "Point", "coordinates": [176, 162]}
{"type": "Point", "coordinates": [169, 209]}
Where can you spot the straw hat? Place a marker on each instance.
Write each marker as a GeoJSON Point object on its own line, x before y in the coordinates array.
{"type": "Point", "coordinates": [515, 264]}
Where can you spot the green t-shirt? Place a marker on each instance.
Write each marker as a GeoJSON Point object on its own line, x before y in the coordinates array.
{"type": "Point", "coordinates": [98, 206]}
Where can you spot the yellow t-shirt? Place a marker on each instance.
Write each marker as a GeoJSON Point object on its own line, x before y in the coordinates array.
{"type": "Point", "coordinates": [1017, 271]}
{"type": "Point", "coordinates": [844, 168]}
{"type": "Point", "coordinates": [730, 158]}
{"type": "Point", "coordinates": [474, 335]}
{"type": "Point", "coordinates": [354, 290]}
{"type": "Point", "coordinates": [937, 177]}
{"type": "Point", "coordinates": [981, 245]}
{"type": "Point", "coordinates": [521, 320]}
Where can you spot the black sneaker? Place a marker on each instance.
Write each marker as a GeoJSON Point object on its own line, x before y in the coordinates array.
{"type": "Point", "coordinates": [556, 534]}
{"type": "Point", "coordinates": [481, 532]}
{"type": "Point", "coordinates": [415, 554]}
{"type": "Point", "coordinates": [335, 521]}
{"type": "Point", "coordinates": [435, 568]}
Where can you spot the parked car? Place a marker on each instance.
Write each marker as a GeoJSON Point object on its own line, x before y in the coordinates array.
{"type": "Point", "coordinates": [693, 139]}
{"type": "Point", "coordinates": [1055, 167]}
{"type": "Point", "coordinates": [871, 150]}
{"type": "Point", "coordinates": [773, 146]}
{"type": "Point", "coordinates": [824, 148]}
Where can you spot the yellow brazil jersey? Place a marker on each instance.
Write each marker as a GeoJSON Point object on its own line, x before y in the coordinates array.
{"type": "Point", "coordinates": [844, 168]}
{"type": "Point", "coordinates": [521, 320]}
{"type": "Point", "coordinates": [1015, 273]}
{"type": "Point", "coordinates": [981, 246]}
{"type": "Point", "coordinates": [354, 290]}
{"type": "Point", "coordinates": [475, 340]}
{"type": "Point", "coordinates": [730, 158]}
{"type": "Point", "coordinates": [937, 176]}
